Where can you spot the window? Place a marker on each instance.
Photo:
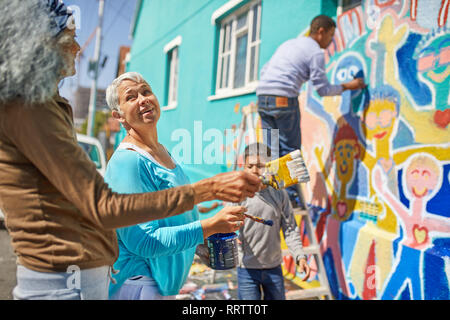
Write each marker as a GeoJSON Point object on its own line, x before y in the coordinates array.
{"type": "Point", "coordinates": [345, 5]}
{"type": "Point", "coordinates": [239, 49]}
{"type": "Point", "coordinates": [172, 52]}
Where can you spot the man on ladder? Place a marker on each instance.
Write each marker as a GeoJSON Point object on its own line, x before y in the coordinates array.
{"type": "Point", "coordinates": [295, 62]}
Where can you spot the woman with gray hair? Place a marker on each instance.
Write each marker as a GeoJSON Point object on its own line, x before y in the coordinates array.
{"type": "Point", "coordinates": [59, 212]}
{"type": "Point", "coordinates": [155, 256]}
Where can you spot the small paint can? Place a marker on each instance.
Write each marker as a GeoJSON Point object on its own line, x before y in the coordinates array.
{"type": "Point", "coordinates": [223, 251]}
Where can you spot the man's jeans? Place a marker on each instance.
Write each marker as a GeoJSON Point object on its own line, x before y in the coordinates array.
{"type": "Point", "coordinates": [283, 114]}
{"type": "Point", "coordinates": [251, 281]}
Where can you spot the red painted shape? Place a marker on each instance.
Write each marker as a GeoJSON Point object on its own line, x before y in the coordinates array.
{"type": "Point", "coordinates": [443, 13]}
{"type": "Point", "coordinates": [304, 236]}
{"type": "Point", "coordinates": [420, 234]}
{"type": "Point", "coordinates": [345, 132]}
{"type": "Point", "coordinates": [341, 208]}
{"type": "Point", "coordinates": [320, 227]}
{"type": "Point", "coordinates": [442, 118]}
{"type": "Point", "coordinates": [349, 16]}
{"type": "Point", "coordinates": [413, 10]}
{"type": "Point", "coordinates": [289, 264]}
{"type": "Point", "coordinates": [370, 290]}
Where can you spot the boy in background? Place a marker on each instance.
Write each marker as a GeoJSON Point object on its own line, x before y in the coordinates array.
{"type": "Point", "coordinates": [259, 269]}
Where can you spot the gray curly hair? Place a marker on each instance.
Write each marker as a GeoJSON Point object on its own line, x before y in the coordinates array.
{"type": "Point", "coordinates": [31, 65]}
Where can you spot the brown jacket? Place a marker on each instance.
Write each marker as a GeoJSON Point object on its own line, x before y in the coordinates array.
{"type": "Point", "coordinates": [58, 210]}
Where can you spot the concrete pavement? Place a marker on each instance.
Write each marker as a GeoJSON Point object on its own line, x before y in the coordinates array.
{"type": "Point", "coordinates": [7, 266]}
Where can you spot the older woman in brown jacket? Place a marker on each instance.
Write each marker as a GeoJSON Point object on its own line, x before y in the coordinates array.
{"type": "Point", "coordinates": [60, 213]}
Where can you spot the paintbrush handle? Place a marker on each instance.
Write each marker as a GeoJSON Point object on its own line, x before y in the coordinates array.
{"type": "Point", "coordinates": [260, 220]}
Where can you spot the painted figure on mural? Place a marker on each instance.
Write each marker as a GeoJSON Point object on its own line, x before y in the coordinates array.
{"type": "Point", "coordinates": [432, 53]}
{"type": "Point", "coordinates": [391, 126]}
{"type": "Point", "coordinates": [347, 148]}
{"type": "Point", "coordinates": [422, 179]}
{"type": "Point", "coordinates": [379, 126]}
{"type": "Point", "coordinates": [379, 121]}
{"type": "Point", "coordinates": [432, 56]}
{"type": "Point", "coordinates": [429, 116]}
{"type": "Point", "coordinates": [416, 48]}
{"type": "Point", "coordinates": [389, 38]}
{"type": "Point", "coordinates": [401, 115]}
{"type": "Point", "coordinates": [346, 152]}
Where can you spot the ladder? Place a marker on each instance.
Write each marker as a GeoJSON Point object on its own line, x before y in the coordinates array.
{"type": "Point", "coordinates": [323, 291]}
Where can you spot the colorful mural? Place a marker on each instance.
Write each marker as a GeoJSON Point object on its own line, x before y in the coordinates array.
{"type": "Point", "coordinates": [384, 159]}
{"type": "Point", "coordinates": [379, 158]}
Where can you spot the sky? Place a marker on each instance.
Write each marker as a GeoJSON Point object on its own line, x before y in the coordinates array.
{"type": "Point", "coordinates": [117, 18]}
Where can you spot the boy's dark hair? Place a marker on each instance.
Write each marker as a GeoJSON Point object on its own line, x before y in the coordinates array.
{"type": "Point", "coordinates": [321, 21]}
{"type": "Point", "coordinates": [257, 149]}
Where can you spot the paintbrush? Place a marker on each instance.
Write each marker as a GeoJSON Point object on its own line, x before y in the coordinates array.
{"type": "Point", "coordinates": [285, 171]}
{"type": "Point", "coordinates": [258, 219]}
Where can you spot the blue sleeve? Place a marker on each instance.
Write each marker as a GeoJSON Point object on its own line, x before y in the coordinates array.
{"type": "Point", "coordinates": [150, 241]}
{"type": "Point", "coordinates": [319, 78]}
{"type": "Point", "coordinates": [128, 173]}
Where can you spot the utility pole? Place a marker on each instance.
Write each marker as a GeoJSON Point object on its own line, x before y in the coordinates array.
{"type": "Point", "coordinates": [93, 97]}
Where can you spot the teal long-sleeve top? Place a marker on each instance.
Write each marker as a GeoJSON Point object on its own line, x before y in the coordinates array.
{"type": "Point", "coordinates": [160, 249]}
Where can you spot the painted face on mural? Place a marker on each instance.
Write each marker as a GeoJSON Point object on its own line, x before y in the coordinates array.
{"type": "Point", "coordinates": [379, 119]}
{"type": "Point", "coordinates": [348, 67]}
{"type": "Point", "coordinates": [434, 60]}
{"type": "Point", "coordinates": [138, 104]}
{"type": "Point", "coordinates": [346, 150]}
{"type": "Point", "coordinates": [422, 177]}
{"type": "Point", "coordinates": [433, 63]}
{"type": "Point", "coordinates": [345, 153]}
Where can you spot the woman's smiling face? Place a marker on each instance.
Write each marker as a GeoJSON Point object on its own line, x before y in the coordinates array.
{"type": "Point", "coordinates": [138, 103]}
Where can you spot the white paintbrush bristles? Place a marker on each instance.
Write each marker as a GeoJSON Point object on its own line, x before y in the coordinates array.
{"type": "Point", "coordinates": [297, 168]}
